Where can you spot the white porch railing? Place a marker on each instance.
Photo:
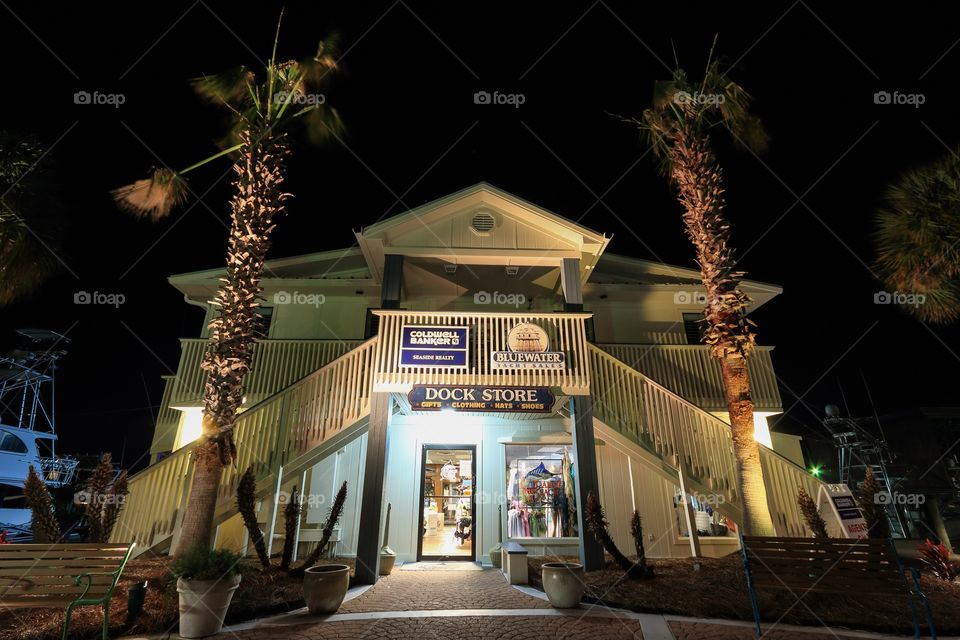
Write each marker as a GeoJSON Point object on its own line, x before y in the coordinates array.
{"type": "Point", "coordinates": [276, 364]}
{"type": "Point", "coordinates": [678, 431]}
{"type": "Point", "coordinates": [287, 425]}
{"type": "Point", "coordinates": [488, 333]}
{"type": "Point", "coordinates": [690, 372]}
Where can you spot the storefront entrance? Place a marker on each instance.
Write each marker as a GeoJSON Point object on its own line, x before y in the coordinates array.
{"type": "Point", "coordinates": [447, 503]}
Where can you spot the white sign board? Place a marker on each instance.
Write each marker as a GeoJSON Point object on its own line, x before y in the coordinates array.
{"type": "Point", "coordinates": [839, 510]}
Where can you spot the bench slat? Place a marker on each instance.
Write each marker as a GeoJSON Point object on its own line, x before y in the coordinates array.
{"type": "Point", "coordinates": [90, 565]}
{"type": "Point", "coordinates": [35, 602]}
{"type": "Point", "coordinates": [44, 550]}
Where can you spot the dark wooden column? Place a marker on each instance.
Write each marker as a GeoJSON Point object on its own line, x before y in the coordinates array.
{"type": "Point", "coordinates": [570, 282]}
{"type": "Point", "coordinates": [371, 504]}
{"type": "Point", "coordinates": [392, 277]}
{"type": "Point", "coordinates": [585, 474]}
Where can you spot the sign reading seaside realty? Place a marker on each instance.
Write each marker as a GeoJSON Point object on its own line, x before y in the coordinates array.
{"type": "Point", "coordinates": [427, 397]}
{"type": "Point", "coordinates": [528, 347]}
{"type": "Point", "coordinates": [433, 346]}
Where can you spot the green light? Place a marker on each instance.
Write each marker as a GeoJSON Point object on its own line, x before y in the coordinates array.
{"type": "Point", "coordinates": [815, 471]}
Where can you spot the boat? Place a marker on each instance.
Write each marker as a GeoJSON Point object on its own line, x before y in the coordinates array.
{"type": "Point", "coordinates": [28, 426]}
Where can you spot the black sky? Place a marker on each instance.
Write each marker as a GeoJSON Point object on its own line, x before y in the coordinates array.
{"type": "Point", "coordinates": [801, 214]}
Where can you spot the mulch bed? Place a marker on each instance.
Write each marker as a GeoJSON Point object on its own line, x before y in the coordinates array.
{"type": "Point", "coordinates": [719, 590]}
{"type": "Point", "coordinates": [260, 594]}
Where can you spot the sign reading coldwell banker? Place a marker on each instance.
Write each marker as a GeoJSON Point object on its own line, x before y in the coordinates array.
{"type": "Point", "coordinates": [433, 346]}
{"type": "Point", "coordinates": [428, 397]}
{"type": "Point", "coordinates": [528, 347]}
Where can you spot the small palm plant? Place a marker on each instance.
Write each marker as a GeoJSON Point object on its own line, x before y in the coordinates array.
{"type": "Point", "coordinates": [918, 239]}
{"type": "Point", "coordinates": [678, 127]}
{"type": "Point", "coordinates": [263, 107]}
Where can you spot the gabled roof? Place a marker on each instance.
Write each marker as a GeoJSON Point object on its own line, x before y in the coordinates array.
{"type": "Point", "coordinates": [520, 233]}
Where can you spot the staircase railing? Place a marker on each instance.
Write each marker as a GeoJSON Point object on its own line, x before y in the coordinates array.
{"type": "Point", "coordinates": [678, 431]}
{"type": "Point", "coordinates": [691, 372]}
{"type": "Point", "coordinates": [280, 428]}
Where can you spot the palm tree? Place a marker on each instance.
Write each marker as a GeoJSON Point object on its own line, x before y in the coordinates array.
{"type": "Point", "coordinates": [918, 239]}
{"type": "Point", "coordinates": [261, 109]}
{"type": "Point", "coordinates": [678, 127]}
{"type": "Point", "coordinates": [28, 216]}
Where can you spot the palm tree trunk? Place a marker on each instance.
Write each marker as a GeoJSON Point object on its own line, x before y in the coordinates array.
{"type": "Point", "coordinates": [257, 200]}
{"type": "Point", "coordinates": [746, 450]}
{"type": "Point", "coordinates": [699, 181]}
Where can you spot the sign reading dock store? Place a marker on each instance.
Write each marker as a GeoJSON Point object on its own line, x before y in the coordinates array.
{"type": "Point", "coordinates": [431, 346]}
{"type": "Point", "coordinates": [427, 397]}
{"type": "Point", "coordinates": [529, 348]}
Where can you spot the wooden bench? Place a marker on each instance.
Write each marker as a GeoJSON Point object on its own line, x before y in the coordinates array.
{"type": "Point", "coordinates": [514, 562]}
{"type": "Point", "coordinates": [61, 575]}
{"type": "Point", "coordinates": [857, 567]}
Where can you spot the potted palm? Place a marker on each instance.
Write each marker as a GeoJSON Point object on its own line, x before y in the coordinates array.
{"type": "Point", "coordinates": [206, 582]}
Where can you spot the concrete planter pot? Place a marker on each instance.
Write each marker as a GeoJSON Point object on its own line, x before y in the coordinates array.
{"type": "Point", "coordinates": [204, 604]}
{"type": "Point", "coordinates": [563, 583]}
{"type": "Point", "coordinates": [387, 561]}
{"type": "Point", "coordinates": [324, 587]}
{"type": "Point", "coordinates": [496, 556]}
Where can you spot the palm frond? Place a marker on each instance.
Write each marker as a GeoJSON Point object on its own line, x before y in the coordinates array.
{"type": "Point", "coordinates": [323, 124]}
{"type": "Point", "coordinates": [152, 197]}
{"type": "Point", "coordinates": [230, 88]}
{"type": "Point", "coordinates": [917, 240]}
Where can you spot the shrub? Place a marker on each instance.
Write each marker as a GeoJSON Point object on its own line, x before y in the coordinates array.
{"type": "Point", "coordinates": [811, 515]}
{"type": "Point", "coordinates": [937, 558]}
{"type": "Point", "coordinates": [291, 519]}
{"type": "Point", "coordinates": [43, 522]}
{"type": "Point", "coordinates": [247, 506]}
{"type": "Point", "coordinates": [597, 525]}
{"type": "Point", "coordinates": [636, 530]}
{"type": "Point", "coordinates": [873, 511]}
{"type": "Point", "coordinates": [336, 510]}
{"type": "Point", "coordinates": [199, 564]}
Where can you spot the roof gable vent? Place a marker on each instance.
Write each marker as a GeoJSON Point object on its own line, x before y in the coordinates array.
{"type": "Point", "coordinates": [482, 223]}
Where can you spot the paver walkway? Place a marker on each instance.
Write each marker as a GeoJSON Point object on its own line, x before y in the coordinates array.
{"type": "Point", "coordinates": [455, 605]}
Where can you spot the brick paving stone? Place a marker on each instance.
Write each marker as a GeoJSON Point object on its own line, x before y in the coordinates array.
{"type": "Point", "coordinates": [706, 631]}
{"type": "Point", "coordinates": [468, 627]}
{"type": "Point", "coordinates": [419, 590]}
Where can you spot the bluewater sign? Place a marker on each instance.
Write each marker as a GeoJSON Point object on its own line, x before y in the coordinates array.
{"type": "Point", "coordinates": [433, 347]}
{"type": "Point", "coordinates": [428, 397]}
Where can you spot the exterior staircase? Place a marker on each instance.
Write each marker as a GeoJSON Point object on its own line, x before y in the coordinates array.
{"type": "Point", "coordinates": [284, 434]}
{"type": "Point", "coordinates": [653, 424]}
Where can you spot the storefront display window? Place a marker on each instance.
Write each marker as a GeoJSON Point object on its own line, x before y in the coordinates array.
{"type": "Point", "coordinates": [540, 491]}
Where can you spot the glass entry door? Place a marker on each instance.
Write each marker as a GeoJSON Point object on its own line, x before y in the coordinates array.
{"type": "Point", "coordinates": [446, 506]}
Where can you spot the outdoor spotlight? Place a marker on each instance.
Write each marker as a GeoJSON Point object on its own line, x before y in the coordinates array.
{"type": "Point", "coordinates": [816, 470]}
{"type": "Point", "coordinates": [450, 268]}
{"type": "Point", "coordinates": [512, 271]}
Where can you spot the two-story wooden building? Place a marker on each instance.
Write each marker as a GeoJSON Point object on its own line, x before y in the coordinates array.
{"type": "Point", "coordinates": [479, 364]}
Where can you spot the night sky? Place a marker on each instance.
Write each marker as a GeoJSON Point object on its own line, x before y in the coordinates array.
{"type": "Point", "coordinates": [801, 214]}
